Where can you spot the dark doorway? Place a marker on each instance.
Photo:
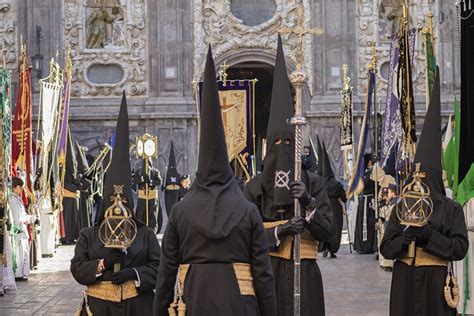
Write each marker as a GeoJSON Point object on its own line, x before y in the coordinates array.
{"type": "Point", "coordinates": [263, 95]}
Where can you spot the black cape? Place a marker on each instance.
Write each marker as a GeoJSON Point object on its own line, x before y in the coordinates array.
{"type": "Point", "coordinates": [143, 255]}
{"type": "Point", "coordinates": [337, 195]}
{"type": "Point", "coordinates": [320, 227]}
{"type": "Point", "coordinates": [211, 287]}
{"type": "Point", "coordinates": [419, 290]}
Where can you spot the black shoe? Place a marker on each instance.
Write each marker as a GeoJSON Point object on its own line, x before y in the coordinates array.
{"type": "Point", "coordinates": [332, 256]}
{"type": "Point", "coordinates": [325, 253]}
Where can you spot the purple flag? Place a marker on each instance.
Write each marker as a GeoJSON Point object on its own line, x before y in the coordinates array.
{"type": "Point", "coordinates": [392, 132]}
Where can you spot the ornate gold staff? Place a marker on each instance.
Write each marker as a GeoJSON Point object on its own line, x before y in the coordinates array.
{"type": "Point", "coordinates": [298, 79]}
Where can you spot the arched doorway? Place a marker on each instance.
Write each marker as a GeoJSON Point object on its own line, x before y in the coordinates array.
{"type": "Point", "coordinates": [263, 72]}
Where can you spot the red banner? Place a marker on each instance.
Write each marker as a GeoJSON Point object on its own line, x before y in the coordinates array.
{"type": "Point", "coordinates": [22, 127]}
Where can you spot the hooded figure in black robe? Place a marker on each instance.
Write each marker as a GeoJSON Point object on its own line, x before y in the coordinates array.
{"type": "Point", "coordinates": [215, 234]}
{"type": "Point", "coordinates": [85, 199]}
{"type": "Point", "coordinates": [337, 195]}
{"type": "Point", "coordinates": [148, 178]}
{"type": "Point", "coordinates": [71, 218]}
{"type": "Point", "coordinates": [171, 186]}
{"type": "Point", "coordinates": [418, 289]}
{"type": "Point", "coordinates": [365, 236]}
{"type": "Point", "coordinates": [93, 263]}
{"type": "Point", "coordinates": [274, 191]}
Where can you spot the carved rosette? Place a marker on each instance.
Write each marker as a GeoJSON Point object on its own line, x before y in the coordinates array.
{"type": "Point", "coordinates": [130, 55]}
{"type": "Point", "coordinates": [369, 30]}
{"type": "Point", "coordinates": [8, 33]}
{"type": "Point", "coordinates": [215, 24]}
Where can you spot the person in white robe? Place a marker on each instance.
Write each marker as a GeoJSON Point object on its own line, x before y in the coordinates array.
{"type": "Point", "coordinates": [20, 220]}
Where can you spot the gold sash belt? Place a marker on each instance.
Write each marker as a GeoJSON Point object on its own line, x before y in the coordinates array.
{"type": "Point", "coordinates": [174, 187]}
{"type": "Point", "coordinates": [423, 259]}
{"type": "Point", "coordinates": [113, 292]}
{"type": "Point", "coordinates": [70, 194]}
{"type": "Point", "coordinates": [152, 194]}
{"type": "Point", "coordinates": [243, 274]}
{"type": "Point", "coordinates": [308, 247]}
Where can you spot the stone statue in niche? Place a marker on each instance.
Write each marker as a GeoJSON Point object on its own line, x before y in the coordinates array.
{"type": "Point", "coordinates": [390, 12]}
{"type": "Point", "coordinates": [105, 27]}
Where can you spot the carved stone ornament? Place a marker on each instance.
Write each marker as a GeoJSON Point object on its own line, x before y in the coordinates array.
{"type": "Point", "coordinates": [120, 42]}
{"type": "Point", "coordinates": [8, 33]}
{"type": "Point", "coordinates": [373, 28]}
{"type": "Point", "coordinates": [215, 24]}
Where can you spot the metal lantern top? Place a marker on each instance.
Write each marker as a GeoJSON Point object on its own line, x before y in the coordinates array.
{"type": "Point", "coordinates": [147, 146]}
{"type": "Point", "coordinates": [415, 206]}
{"type": "Point", "coordinates": [118, 229]}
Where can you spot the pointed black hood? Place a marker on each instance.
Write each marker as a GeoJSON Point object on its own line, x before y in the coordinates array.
{"type": "Point", "coordinates": [172, 174]}
{"type": "Point", "coordinates": [319, 149]}
{"type": "Point", "coordinates": [71, 161]}
{"type": "Point", "coordinates": [428, 151]}
{"type": "Point", "coordinates": [120, 171]}
{"type": "Point", "coordinates": [215, 202]}
{"type": "Point", "coordinates": [326, 164]}
{"type": "Point", "coordinates": [279, 160]}
{"type": "Point", "coordinates": [82, 163]}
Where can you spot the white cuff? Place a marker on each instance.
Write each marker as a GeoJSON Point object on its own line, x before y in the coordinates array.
{"type": "Point", "coordinates": [276, 237]}
{"type": "Point", "coordinates": [98, 275]}
{"type": "Point", "coordinates": [137, 281]}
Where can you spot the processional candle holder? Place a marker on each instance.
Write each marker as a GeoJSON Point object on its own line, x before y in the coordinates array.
{"type": "Point", "coordinates": [415, 207]}
{"type": "Point", "coordinates": [118, 230]}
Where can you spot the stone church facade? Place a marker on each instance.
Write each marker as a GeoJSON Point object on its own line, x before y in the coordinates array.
{"type": "Point", "coordinates": [155, 49]}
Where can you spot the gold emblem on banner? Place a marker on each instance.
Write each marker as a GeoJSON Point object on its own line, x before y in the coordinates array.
{"type": "Point", "coordinates": [234, 117]}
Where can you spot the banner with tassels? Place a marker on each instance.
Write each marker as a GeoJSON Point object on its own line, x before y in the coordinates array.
{"type": "Point", "coordinates": [237, 107]}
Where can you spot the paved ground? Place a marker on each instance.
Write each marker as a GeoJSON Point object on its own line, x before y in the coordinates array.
{"type": "Point", "coordinates": [353, 284]}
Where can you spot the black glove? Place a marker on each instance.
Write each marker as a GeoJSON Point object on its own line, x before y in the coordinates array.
{"type": "Point", "coordinates": [116, 256]}
{"type": "Point", "coordinates": [292, 227]}
{"type": "Point", "coordinates": [422, 235]}
{"type": "Point", "coordinates": [298, 191]}
{"type": "Point", "coordinates": [123, 276]}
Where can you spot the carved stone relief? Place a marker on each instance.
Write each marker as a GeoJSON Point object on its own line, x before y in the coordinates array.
{"type": "Point", "coordinates": [8, 33]}
{"type": "Point", "coordinates": [215, 24]}
{"type": "Point", "coordinates": [374, 28]}
{"type": "Point", "coordinates": [110, 33]}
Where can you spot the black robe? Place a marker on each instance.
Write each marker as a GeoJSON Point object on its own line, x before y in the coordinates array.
{"type": "Point", "coordinates": [155, 214]}
{"type": "Point", "coordinates": [320, 227]}
{"type": "Point", "coordinates": [337, 194]}
{"type": "Point", "coordinates": [211, 287]}
{"type": "Point", "coordinates": [419, 290]}
{"type": "Point", "coordinates": [143, 255]}
{"type": "Point", "coordinates": [369, 245]}
{"type": "Point", "coordinates": [71, 216]}
{"type": "Point", "coordinates": [171, 197]}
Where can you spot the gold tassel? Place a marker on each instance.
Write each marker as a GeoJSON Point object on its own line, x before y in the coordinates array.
{"type": "Point", "coordinates": [451, 295]}
{"type": "Point", "coordinates": [88, 310]}
{"type": "Point", "coordinates": [172, 309]}
{"type": "Point", "coordinates": [181, 308]}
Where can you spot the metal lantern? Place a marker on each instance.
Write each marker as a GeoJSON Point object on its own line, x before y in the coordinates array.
{"type": "Point", "coordinates": [147, 146]}
{"type": "Point", "coordinates": [118, 230]}
{"type": "Point", "coordinates": [415, 207]}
